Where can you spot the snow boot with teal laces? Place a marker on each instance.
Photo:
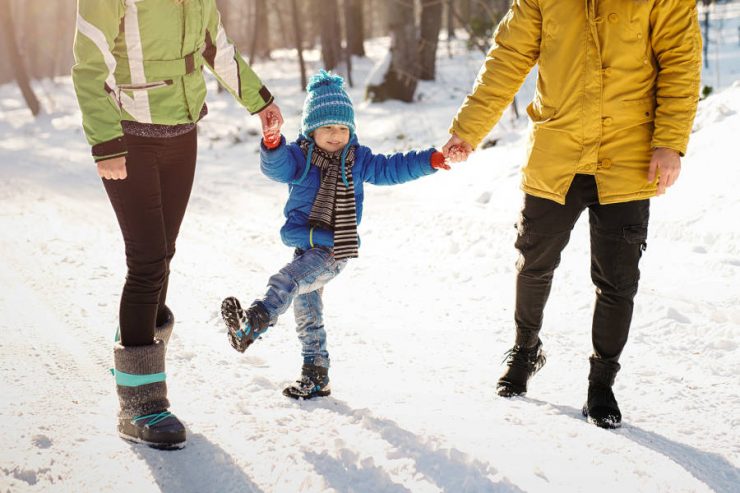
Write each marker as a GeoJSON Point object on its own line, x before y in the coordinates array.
{"type": "Point", "coordinates": [142, 393]}
{"type": "Point", "coordinates": [314, 382]}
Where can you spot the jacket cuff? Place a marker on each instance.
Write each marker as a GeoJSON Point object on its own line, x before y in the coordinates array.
{"type": "Point", "coordinates": [266, 149]}
{"type": "Point", "coordinates": [266, 96]}
{"type": "Point", "coordinates": [469, 139]}
{"type": "Point", "coordinates": [680, 148]}
{"type": "Point", "coordinates": [110, 149]}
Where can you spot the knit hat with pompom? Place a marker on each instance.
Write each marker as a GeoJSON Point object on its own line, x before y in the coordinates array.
{"type": "Point", "coordinates": [326, 104]}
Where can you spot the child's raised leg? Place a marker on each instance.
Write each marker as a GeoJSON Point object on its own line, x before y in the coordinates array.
{"type": "Point", "coordinates": [310, 270]}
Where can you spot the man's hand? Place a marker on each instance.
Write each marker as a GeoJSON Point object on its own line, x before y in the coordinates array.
{"type": "Point", "coordinates": [456, 149]}
{"type": "Point", "coordinates": [666, 163]}
{"type": "Point", "coordinates": [113, 169]}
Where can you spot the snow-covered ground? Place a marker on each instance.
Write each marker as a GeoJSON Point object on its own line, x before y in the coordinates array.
{"type": "Point", "coordinates": [417, 326]}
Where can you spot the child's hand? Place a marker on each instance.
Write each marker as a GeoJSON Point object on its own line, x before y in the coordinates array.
{"type": "Point", "coordinates": [438, 161]}
{"type": "Point", "coordinates": [456, 149]}
{"type": "Point", "coordinates": [271, 139]}
{"type": "Point", "coordinates": [271, 119]}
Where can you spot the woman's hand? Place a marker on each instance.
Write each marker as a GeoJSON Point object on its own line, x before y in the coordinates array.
{"type": "Point", "coordinates": [113, 169]}
{"type": "Point", "coordinates": [271, 119]}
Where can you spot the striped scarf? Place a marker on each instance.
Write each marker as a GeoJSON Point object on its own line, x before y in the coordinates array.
{"type": "Point", "coordinates": [334, 206]}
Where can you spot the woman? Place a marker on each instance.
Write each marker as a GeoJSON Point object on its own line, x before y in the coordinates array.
{"type": "Point", "coordinates": [139, 82]}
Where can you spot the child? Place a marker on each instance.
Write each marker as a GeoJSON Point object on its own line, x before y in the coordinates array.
{"type": "Point", "coordinates": [325, 169]}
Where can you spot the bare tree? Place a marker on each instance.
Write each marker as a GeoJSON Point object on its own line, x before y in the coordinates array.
{"type": "Point", "coordinates": [431, 22]}
{"type": "Point", "coordinates": [330, 33]}
{"type": "Point", "coordinates": [354, 27]}
{"type": "Point", "coordinates": [297, 30]}
{"type": "Point", "coordinates": [260, 45]}
{"type": "Point", "coordinates": [14, 55]}
{"type": "Point", "coordinates": [401, 79]}
{"type": "Point", "coordinates": [450, 19]}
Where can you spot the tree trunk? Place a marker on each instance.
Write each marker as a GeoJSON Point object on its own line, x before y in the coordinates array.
{"type": "Point", "coordinates": [331, 42]}
{"type": "Point", "coordinates": [259, 46]}
{"type": "Point", "coordinates": [450, 20]}
{"type": "Point", "coordinates": [431, 22]}
{"type": "Point", "coordinates": [401, 79]}
{"type": "Point", "coordinates": [16, 61]}
{"type": "Point", "coordinates": [263, 18]}
{"type": "Point", "coordinates": [297, 30]}
{"type": "Point", "coordinates": [354, 27]}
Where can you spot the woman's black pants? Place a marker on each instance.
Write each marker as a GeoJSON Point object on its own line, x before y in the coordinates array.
{"type": "Point", "coordinates": [150, 204]}
{"type": "Point", "coordinates": [618, 237]}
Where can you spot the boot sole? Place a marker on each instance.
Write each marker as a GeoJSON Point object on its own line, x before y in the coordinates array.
{"type": "Point", "coordinates": [154, 445]}
{"type": "Point", "coordinates": [234, 317]}
{"type": "Point", "coordinates": [321, 393]}
{"type": "Point", "coordinates": [232, 314]}
{"type": "Point", "coordinates": [605, 424]}
{"type": "Point", "coordinates": [506, 391]}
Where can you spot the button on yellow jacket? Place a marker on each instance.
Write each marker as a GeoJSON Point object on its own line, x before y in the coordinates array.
{"type": "Point", "coordinates": [616, 78]}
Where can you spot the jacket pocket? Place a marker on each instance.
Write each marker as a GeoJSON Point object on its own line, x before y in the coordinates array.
{"type": "Point", "coordinates": [635, 112]}
{"type": "Point", "coordinates": [540, 113]}
{"type": "Point", "coordinates": [147, 86]}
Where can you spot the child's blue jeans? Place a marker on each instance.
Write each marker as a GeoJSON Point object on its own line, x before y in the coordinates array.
{"type": "Point", "coordinates": [301, 282]}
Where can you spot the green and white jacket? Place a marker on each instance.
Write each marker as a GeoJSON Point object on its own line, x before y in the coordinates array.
{"type": "Point", "coordinates": [142, 60]}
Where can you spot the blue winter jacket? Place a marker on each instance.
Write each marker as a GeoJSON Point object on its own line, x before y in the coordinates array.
{"type": "Point", "coordinates": [287, 164]}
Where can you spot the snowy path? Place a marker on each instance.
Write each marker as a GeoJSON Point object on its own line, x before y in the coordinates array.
{"type": "Point", "coordinates": [417, 327]}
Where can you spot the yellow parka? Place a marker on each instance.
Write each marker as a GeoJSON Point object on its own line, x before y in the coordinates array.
{"type": "Point", "coordinates": [616, 79]}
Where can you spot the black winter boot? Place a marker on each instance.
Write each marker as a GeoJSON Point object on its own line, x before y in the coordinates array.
{"type": "Point", "coordinates": [522, 363]}
{"type": "Point", "coordinates": [314, 382]}
{"type": "Point", "coordinates": [142, 392]}
{"type": "Point", "coordinates": [244, 327]}
{"type": "Point", "coordinates": [601, 406]}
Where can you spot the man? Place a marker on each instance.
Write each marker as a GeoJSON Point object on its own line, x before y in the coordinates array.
{"type": "Point", "coordinates": [617, 90]}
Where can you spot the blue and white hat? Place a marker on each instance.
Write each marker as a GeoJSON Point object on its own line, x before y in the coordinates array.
{"type": "Point", "coordinates": [326, 104]}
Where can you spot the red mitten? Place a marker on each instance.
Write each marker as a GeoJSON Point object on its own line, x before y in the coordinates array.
{"type": "Point", "coordinates": [438, 161]}
{"type": "Point", "coordinates": [271, 140]}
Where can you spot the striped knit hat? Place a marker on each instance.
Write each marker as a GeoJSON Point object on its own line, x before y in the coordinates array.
{"type": "Point", "coordinates": [326, 104]}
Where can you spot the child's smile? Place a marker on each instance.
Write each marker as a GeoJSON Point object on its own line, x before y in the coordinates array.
{"type": "Point", "coordinates": [331, 138]}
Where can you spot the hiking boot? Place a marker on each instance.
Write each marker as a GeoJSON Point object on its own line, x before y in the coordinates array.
{"type": "Point", "coordinates": [601, 407]}
{"type": "Point", "coordinates": [244, 327]}
{"type": "Point", "coordinates": [522, 363]}
{"type": "Point", "coordinates": [161, 431]}
{"type": "Point", "coordinates": [314, 382]}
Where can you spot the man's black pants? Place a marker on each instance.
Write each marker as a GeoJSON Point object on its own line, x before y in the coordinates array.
{"type": "Point", "coordinates": [618, 237]}
{"type": "Point", "coordinates": [150, 204]}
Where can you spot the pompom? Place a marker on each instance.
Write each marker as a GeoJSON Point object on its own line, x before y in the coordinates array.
{"type": "Point", "coordinates": [324, 78]}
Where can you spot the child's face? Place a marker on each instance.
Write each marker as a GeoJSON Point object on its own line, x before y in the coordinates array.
{"type": "Point", "coordinates": [331, 138]}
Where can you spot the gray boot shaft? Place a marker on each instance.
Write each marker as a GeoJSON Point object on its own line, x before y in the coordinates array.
{"type": "Point", "coordinates": [140, 378]}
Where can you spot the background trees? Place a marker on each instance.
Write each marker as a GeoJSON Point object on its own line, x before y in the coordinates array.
{"type": "Point", "coordinates": [37, 36]}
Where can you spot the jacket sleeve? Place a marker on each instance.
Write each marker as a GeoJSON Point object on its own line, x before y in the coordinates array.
{"type": "Point", "coordinates": [92, 75]}
{"type": "Point", "coordinates": [278, 164]}
{"type": "Point", "coordinates": [676, 43]}
{"type": "Point", "coordinates": [397, 168]}
{"type": "Point", "coordinates": [516, 48]}
{"type": "Point", "coordinates": [229, 67]}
